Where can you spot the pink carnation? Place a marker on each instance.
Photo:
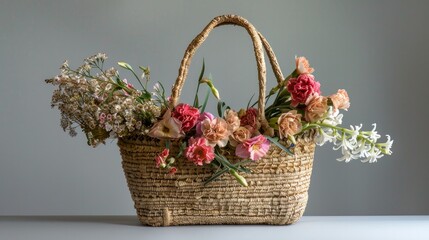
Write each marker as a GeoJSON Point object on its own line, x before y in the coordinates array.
{"type": "Point", "coordinates": [302, 87]}
{"type": "Point", "coordinates": [187, 115]}
{"type": "Point", "coordinates": [199, 152]}
{"type": "Point", "coordinates": [203, 116]}
{"type": "Point", "coordinates": [254, 148]}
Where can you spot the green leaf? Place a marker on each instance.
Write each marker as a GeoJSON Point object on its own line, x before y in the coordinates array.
{"type": "Point", "coordinates": [221, 107]}
{"type": "Point", "coordinates": [276, 142]}
{"type": "Point", "coordinates": [181, 149]}
{"type": "Point", "coordinates": [273, 120]}
{"type": "Point", "coordinates": [216, 175]}
{"type": "Point", "coordinates": [146, 96]}
{"type": "Point", "coordinates": [128, 67]}
{"type": "Point", "coordinates": [250, 100]}
{"type": "Point", "coordinates": [114, 90]}
{"type": "Point", "coordinates": [203, 107]}
{"type": "Point", "coordinates": [225, 166]}
{"type": "Point", "coordinates": [202, 71]}
{"type": "Point", "coordinates": [196, 102]}
{"type": "Point", "coordinates": [240, 166]}
{"type": "Point", "coordinates": [144, 69]}
{"type": "Point", "coordinates": [167, 144]}
{"type": "Point", "coordinates": [223, 160]}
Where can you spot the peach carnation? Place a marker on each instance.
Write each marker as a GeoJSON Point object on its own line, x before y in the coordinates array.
{"type": "Point", "coordinates": [238, 136]}
{"type": "Point", "coordinates": [317, 108]}
{"type": "Point", "coordinates": [340, 100]}
{"type": "Point", "coordinates": [289, 124]}
{"type": "Point", "coordinates": [231, 118]}
{"type": "Point", "coordinates": [303, 66]}
{"type": "Point", "coordinates": [215, 131]}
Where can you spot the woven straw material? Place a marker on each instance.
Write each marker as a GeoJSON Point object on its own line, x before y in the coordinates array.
{"type": "Point", "coordinates": [277, 192]}
{"type": "Point", "coordinates": [278, 185]}
{"type": "Point", "coordinates": [259, 44]}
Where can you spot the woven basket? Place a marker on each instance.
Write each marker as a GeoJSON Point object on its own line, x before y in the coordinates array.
{"type": "Point", "coordinates": [278, 185]}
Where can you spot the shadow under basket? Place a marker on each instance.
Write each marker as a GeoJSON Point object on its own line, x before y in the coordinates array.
{"type": "Point", "coordinates": [277, 193]}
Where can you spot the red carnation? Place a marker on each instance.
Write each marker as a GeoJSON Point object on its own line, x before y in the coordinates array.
{"type": "Point", "coordinates": [187, 115]}
{"type": "Point", "coordinates": [250, 119]}
{"type": "Point", "coordinates": [302, 87]}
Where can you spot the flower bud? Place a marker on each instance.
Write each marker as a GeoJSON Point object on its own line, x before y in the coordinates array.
{"type": "Point", "coordinates": [171, 160]}
{"type": "Point", "coordinates": [239, 178]}
{"type": "Point", "coordinates": [292, 139]}
{"type": "Point", "coordinates": [125, 65]}
{"type": "Point", "coordinates": [215, 92]}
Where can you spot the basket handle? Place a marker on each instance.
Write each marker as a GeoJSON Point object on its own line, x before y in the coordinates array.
{"type": "Point", "coordinates": [258, 43]}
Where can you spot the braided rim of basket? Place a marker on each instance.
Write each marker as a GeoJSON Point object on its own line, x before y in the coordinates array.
{"type": "Point", "coordinates": [259, 42]}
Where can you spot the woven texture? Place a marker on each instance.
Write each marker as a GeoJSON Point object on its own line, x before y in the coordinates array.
{"type": "Point", "coordinates": [259, 44]}
{"type": "Point", "coordinates": [277, 192]}
{"type": "Point", "coordinates": [278, 185]}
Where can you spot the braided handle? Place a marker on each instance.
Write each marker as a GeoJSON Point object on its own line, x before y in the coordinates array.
{"type": "Point", "coordinates": [258, 43]}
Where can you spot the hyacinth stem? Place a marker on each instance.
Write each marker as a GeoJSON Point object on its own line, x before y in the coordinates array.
{"type": "Point", "coordinates": [319, 125]}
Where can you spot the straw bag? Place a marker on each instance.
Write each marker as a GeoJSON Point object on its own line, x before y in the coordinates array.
{"type": "Point", "coordinates": [278, 185]}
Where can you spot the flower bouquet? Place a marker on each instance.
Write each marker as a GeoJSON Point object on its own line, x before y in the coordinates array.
{"type": "Point", "coordinates": [185, 165]}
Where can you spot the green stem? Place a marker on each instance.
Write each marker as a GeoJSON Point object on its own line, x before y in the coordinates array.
{"type": "Point", "coordinates": [343, 130]}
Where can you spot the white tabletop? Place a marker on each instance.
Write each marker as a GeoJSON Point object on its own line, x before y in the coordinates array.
{"type": "Point", "coordinates": [128, 227]}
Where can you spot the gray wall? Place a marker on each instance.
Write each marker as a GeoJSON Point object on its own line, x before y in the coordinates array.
{"type": "Point", "coordinates": [377, 50]}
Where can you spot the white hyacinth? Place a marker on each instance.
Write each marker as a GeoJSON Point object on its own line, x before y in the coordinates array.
{"type": "Point", "coordinates": [354, 143]}
{"type": "Point", "coordinates": [324, 135]}
{"type": "Point", "coordinates": [333, 117]}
